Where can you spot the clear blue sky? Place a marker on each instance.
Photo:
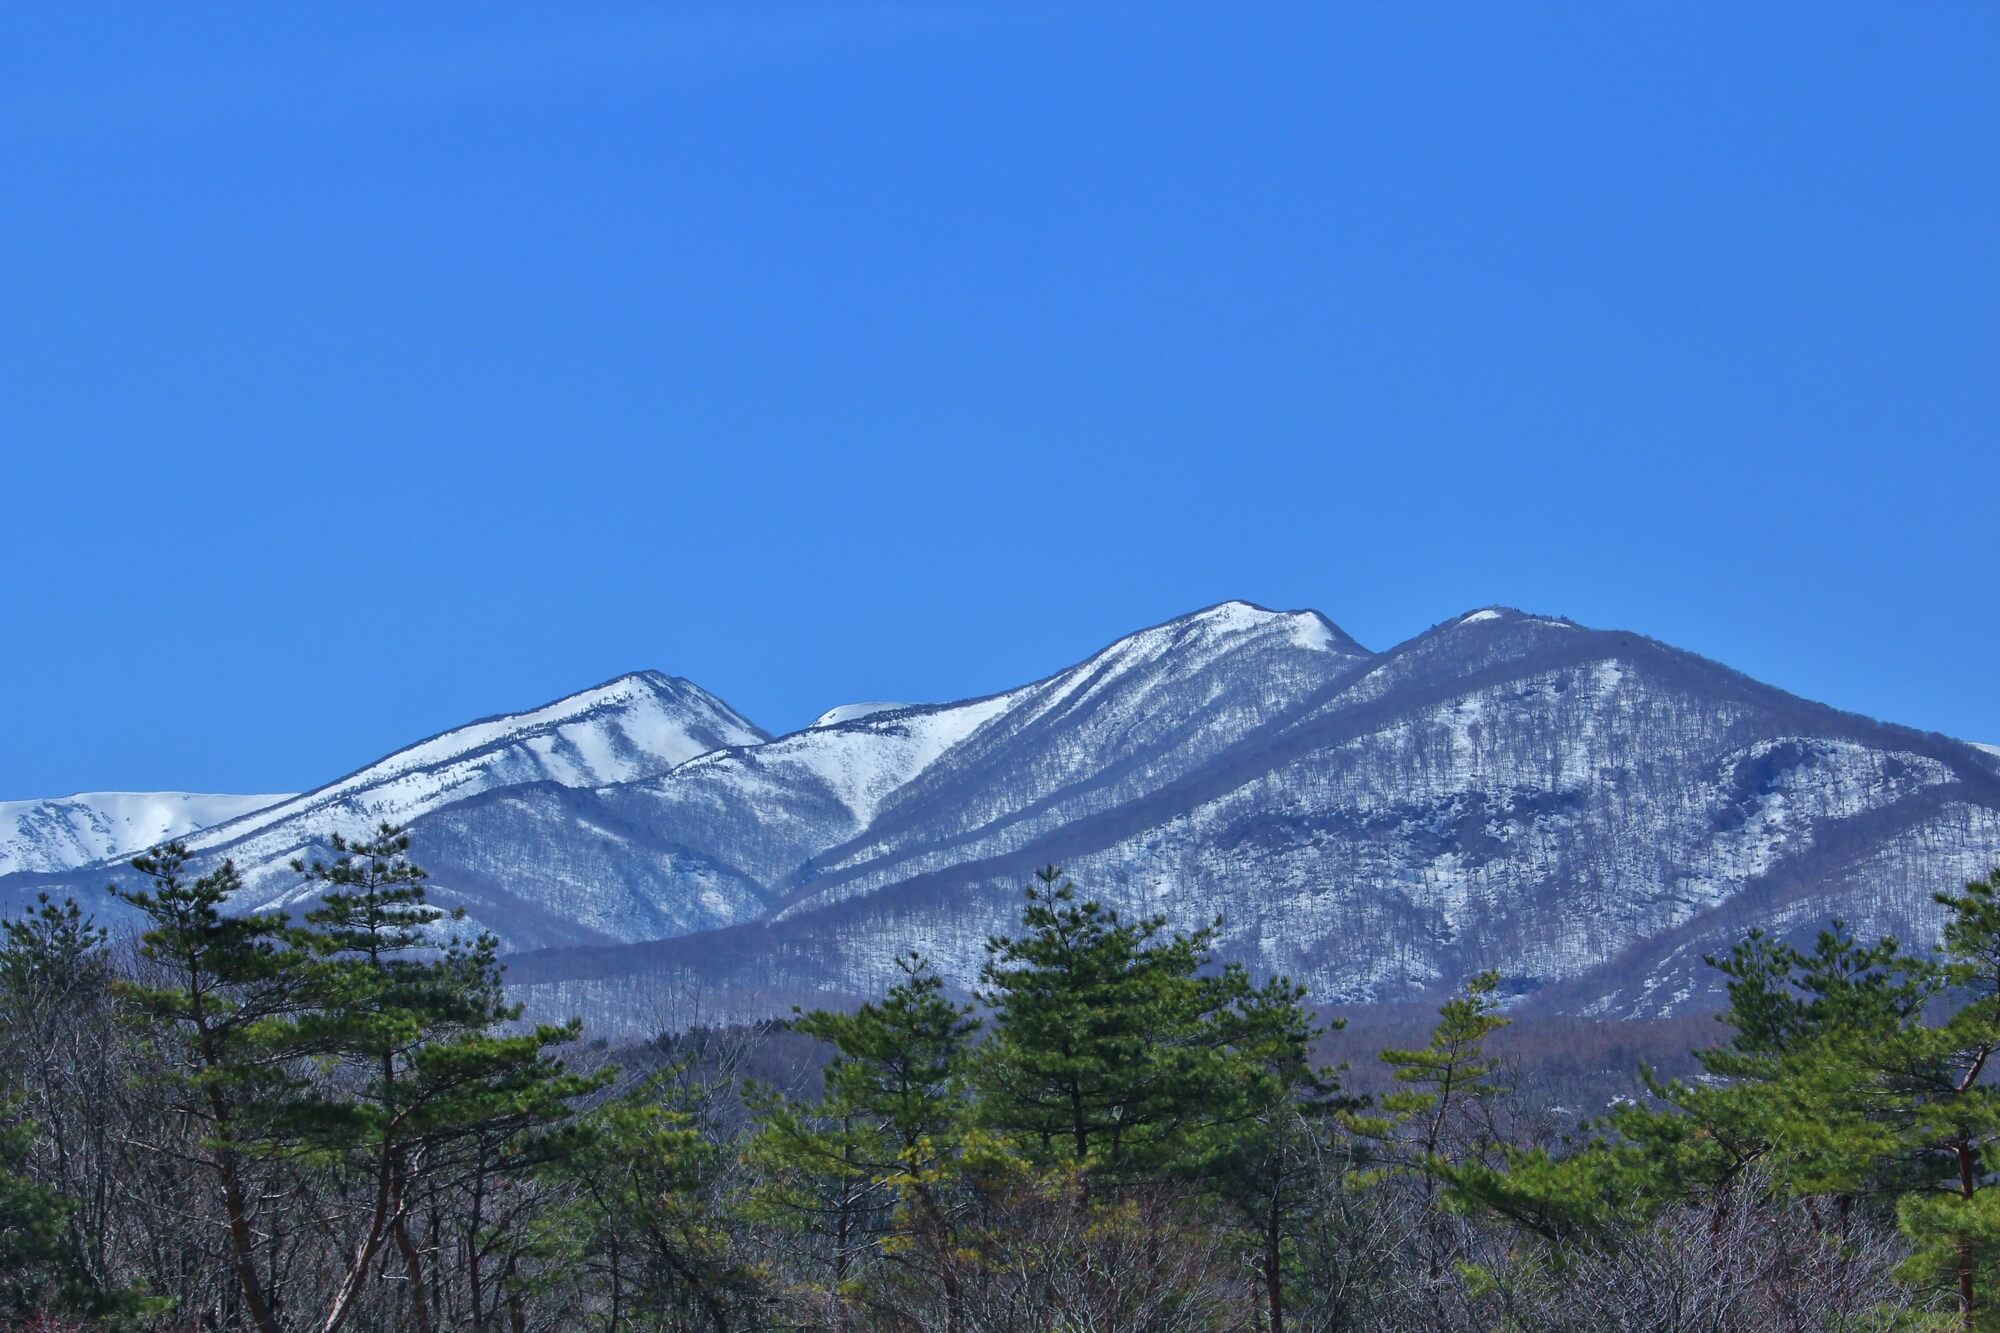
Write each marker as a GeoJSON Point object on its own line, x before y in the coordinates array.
{"type": "Point", "coordinates": [367, 368]}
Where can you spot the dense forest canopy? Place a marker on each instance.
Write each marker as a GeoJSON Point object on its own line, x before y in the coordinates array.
{"type": "Point", "coordinates": [255, 1122]}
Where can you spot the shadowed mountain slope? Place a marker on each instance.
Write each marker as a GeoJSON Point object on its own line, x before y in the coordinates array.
{"type": "Point", "coordinates": [1588, 811]}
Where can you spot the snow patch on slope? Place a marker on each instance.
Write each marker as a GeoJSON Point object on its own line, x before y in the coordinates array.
{"type": "Point", "coordinates": [1316, 634]}
{"type": "Point", "coordinates": [62, 833]}
{"type": "Point", "coordinates": [833, 717]}
{"type": "Point", "coordinates": [864, 760]}
{"type": "Point", "coordinates": [635, 727]}
{"type": "Point", "coordinates": [879, 748]}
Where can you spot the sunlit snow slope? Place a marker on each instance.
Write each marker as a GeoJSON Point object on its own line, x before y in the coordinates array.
{"type": "Point", "coordinates": [842, 807]}
{"type": "Point", "coordinates": [65, 832]}
{"type": "Point", "coordinates": [1588, 811]}
{"type": "Point", "coordinates": [637, 726]}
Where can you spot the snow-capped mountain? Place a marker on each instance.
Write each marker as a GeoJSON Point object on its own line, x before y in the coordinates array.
{"type": "Point", "coordinates": [634, 727]}
{"type": "Point", "coordinates": [742, 832]}
{"type": "Point", "coordinates": [1589, 811]}
{"type": "Point", "coordinates": [833, 717]}
{"type": "Point", "coordinates": [64, 832]}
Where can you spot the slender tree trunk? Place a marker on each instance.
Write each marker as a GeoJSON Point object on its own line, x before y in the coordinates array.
{"type": "Point", "coordinates": [364, 1253]}
{"type": "Point", "coordinates": [517, 1309]}
{"type": "Point", "coordinates": [1966, 1186]}
{"type": "Point", "coordinates": [1081, 1131]}
{"type": "Point", "coordinates": [413, 1263]}
{"type": "Point", "coordinates": [1274, 1274]}
{"type": "Point", "coordinates": [472, 1248]}
{"type": "Point", "coordinates": [235, 1202]}
{"type": "Point", "coordinates": [841, 1241]}
{"type": "Point", "coordinates": [617, 1284]}
{"type": "Point", "coordinates": [942, 1245]}
{"type": "Point", "coordinates": [241, 1242]}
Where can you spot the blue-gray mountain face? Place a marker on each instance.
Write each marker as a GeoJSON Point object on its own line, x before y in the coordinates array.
{"type": "Point", "coordinates": [1588, 811]}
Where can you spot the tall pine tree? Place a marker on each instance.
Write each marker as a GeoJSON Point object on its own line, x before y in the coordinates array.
{"type": "Point", "coordinates": [231, 990]}
{"type": "Point", "coordinates": [1263, 1158]}
{"type": "Point", "coordinates": [1110, 1047]}
{"type": "Point", "coordinates": [873, 1161]}
{"type": "Point", "coordinates": [435, 1061]}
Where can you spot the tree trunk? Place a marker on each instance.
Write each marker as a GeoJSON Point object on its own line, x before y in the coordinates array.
{"type": "Point", "coordinates": [242, 1243]}
{"type": "Point", "coordinates": [1274, 1275]}
{"type": "Point", "coordinates": [1966, 1186]}
{"type": "Point", "coordinates": [364, 1255]}
{"type": "Point", "coordinates": [234, 1202]}
{"type": "Point", "coordinates": [413, 1262]}
{"type": "Point", "coordinates": [472, 1277]}
{"type": "Point", "coordinates": [517, 1308]}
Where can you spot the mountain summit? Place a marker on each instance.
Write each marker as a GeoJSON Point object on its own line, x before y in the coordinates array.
{"type": "Point", "coordinates": [1588, 811]}
{"type": "Point", "coordinates": [634, 727]}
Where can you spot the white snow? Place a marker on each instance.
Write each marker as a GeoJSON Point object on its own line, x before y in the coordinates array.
{"type": "Point", "coordinates": [1234, 617]}
{"type": "Point", "coordinates": [865, 763]}
{"type": "Point", "coordinates": [1310, 631]}
{"type": "Point", "coordinates": [1478, 617]}
{"type": "Point", "coordinates": [833, 717]}
{"type": "Point", "coordinates": [61, 833]}
{"type": "Point", "coordinates": [1990, 749]}
{"type": "Point", "coordinates": [638, 726]}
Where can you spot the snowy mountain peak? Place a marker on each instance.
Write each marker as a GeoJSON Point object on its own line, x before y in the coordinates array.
{"type": "Point", "coordinates": [833, 717]}
{"type": "Point", "coordinates": [636, 726]}
{"type": "Point", "coordinates": [1308, 629]}
{"type": "Point", "coordinates": [1588, 811]}
{"type": "Point", "coordinates": [1508, 615]}
{"type": "Point", "coordinates": [1208, 636]}
{"type": "Point", "coordinates": [57, 834]}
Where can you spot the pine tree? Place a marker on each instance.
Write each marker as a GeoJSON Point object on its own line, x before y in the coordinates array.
{"type": "Point", "coordinates": [1789, 1101]}
{"type": "Point", "coordinates": [1262, 1157]}
{"type": "Point", "coordinates": [36, 1260]}
{"type": "Point", "coordinates": [44, 1276]}
{"type": "Point", "coordinates": [1442, 1113]}
{"type": "Point", "coordinates": [1109, 1046]}
{"type": "Point", "coordinates": [55, 1022]}
{"type": "Point", "coordinates": [54, 1004]}
{"type": "Point", "coordinates": [648, 1217]}
{"type": "Point", "coordinates": [436, 1065]}
{"type": "Point", "coordinates": [1779, 1104]}
{"type": "Point", "coordinates": [873, 1160]}
{"type": "Point", "coordinates": [231, 990]}
{"type": "Point", "coordinates": [1856, 1075]}
{"type": "Point", "coordinates": [1941, 1080]}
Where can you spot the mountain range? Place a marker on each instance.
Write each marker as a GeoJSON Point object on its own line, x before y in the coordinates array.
{"type": "Point", "coordinates": [67, 831]}
{"type": "Point", "coordinates": [1588, 811]}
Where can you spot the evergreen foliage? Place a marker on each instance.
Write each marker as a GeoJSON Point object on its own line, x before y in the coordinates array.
{"type": "Point", "coordinates": [229, 992]}
{"type": "Point", "coordinates": [870, 1166]}
{"type": "Point", "coordinates": [435, 1071]}
{"type": "Point", "coordinates": [340, 1121]}
{"type": "Point", "coordinates": [647, 1220]}
{"type": "Point", "coordinates": [1109, 1051]}
{"type": "Point", "coordinates": [38, 1270]}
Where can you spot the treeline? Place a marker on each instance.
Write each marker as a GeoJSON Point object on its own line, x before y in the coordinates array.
{"type": "Point", "coordinates": [253, 1122]}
